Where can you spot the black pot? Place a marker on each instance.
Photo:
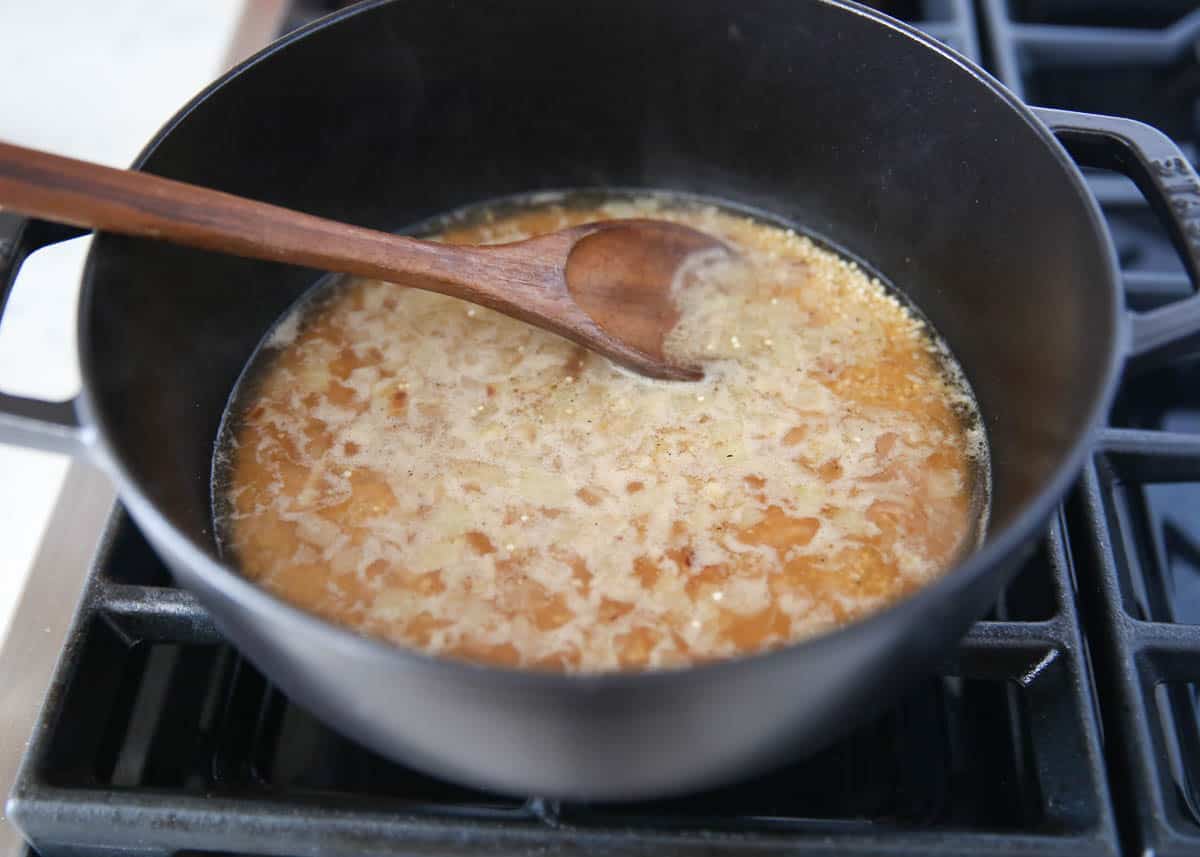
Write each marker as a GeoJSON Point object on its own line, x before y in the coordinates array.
{"type": "Point", "coordinates": [858, 129]}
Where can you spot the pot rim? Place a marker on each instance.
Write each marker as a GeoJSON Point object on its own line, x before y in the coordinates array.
{"type": "Point", "coordinates": [209, 573]}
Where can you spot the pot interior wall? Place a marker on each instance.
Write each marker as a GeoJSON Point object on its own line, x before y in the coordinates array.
{"type": "Point", "coordinates": [814, 113]}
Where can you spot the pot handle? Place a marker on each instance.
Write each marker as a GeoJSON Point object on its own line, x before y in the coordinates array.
{"type": "Point", "coordinates": [50, 426]}
{"type": "Point", "coordinates": [1169, 183]}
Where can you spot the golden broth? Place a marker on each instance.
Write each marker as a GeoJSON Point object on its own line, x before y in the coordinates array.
{"type": "Point", "coordinates": [447, 478]}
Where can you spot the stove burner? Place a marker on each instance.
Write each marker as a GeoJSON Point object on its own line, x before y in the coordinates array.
{"type": "Point", "coordinates": [158, 739]}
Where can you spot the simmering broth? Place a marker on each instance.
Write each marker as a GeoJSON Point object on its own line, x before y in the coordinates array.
{"type": "Point", "coordinates": [447, 478]}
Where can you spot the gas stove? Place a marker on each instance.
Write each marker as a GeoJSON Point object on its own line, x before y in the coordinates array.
{"type": "Point", "coordinates": [1066, 722]}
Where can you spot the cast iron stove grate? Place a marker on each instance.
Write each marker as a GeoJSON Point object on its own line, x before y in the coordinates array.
{"type": "Point", "coordinates": [1135, 516]}
{"type": "Point", "coordinates": [157, 738]}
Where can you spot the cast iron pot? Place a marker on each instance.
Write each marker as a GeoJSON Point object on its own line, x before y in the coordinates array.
{"type": "Point", "coordinates": [856, 128]}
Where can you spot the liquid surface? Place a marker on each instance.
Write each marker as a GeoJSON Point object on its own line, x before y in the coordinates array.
{"type": "Point", "coordinates": [447, 478]}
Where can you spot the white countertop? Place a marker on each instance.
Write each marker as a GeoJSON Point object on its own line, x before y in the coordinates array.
{"type": "Point", "coordinates": [95, 81]}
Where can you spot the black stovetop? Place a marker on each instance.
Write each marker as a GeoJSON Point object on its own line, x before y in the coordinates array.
{"type": "Point", "coordinates": [1065, 723]}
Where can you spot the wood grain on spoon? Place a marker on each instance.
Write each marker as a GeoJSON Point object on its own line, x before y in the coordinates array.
{"type": "Point", "coordinates": [606, 285]}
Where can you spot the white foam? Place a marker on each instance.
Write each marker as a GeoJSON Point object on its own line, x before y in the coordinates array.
{"type": "Point", "coordinates": [285, 331]}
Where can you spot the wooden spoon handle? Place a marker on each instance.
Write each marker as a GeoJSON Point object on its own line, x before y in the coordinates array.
{"type": "Point", "coordinates": [525, 279]}
{"type": "Point", "coordinates": [84, 194]}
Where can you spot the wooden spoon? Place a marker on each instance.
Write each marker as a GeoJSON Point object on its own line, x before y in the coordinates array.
{"type": "Point", "coordinates": [606, 286]}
